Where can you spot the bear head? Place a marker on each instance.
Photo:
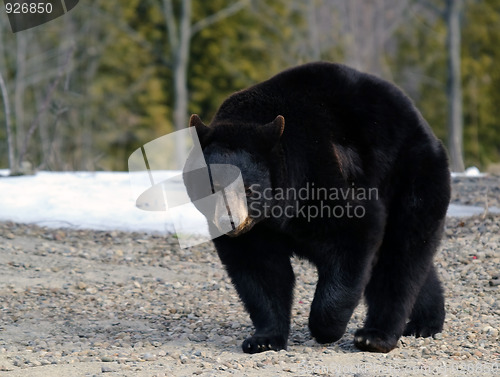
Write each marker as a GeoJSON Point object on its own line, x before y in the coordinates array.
{"type": "Point", "coordinates": [251, 148]}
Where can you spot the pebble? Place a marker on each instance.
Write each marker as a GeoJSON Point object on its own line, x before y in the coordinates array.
{"type": "Point", "coordinates": [81, 285]}
{"type": "Point", "coordinates": [6, 366]}
{"type": "Point", "coordinates": [149, 357]}
{"type": "Point", "coordinates": [106, 369]}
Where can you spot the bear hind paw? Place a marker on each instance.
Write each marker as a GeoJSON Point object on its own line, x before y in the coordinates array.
{"type": "Point", "coordinates": [373, 340]}
{"type": "Point", "coordinates": [422, 330]}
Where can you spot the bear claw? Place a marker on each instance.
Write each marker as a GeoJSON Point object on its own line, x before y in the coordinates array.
{"type": "Point", "coordinates": [256, 344]}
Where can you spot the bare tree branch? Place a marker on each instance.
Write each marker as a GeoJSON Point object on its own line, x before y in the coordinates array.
{"type": "Point", "coordinates": [397, 20]}
{"type": "Point", "coordinates": [35, 123]}
{"type": "Point", "coordinates": [168, 12]}
{"type": "Point", "coordinates": [433, 7]}
{"type": "Point", "coordinates": [218, 16]}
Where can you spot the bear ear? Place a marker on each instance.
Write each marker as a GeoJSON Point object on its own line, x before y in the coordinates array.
{"type": "Point", "coordinates": [201, 129]}
{"type": "Point", "coordinates": [273, 131]}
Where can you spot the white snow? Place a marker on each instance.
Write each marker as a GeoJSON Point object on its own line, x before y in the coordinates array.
{"type": "Point", "coordinates": [469, 172]}
{"type": "Point", "coordinates": [102, 201]}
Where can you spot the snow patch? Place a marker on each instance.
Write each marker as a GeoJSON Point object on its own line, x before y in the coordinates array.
{"type": "Point", "coordinates": [106, 201]}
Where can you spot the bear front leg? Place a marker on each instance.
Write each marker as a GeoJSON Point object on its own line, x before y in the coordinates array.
{"type": "Point", "coordinates": [259, 267]}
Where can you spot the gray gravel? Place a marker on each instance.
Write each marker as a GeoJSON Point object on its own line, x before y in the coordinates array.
{"type": "Point", "coordinates": [89, 303]}
{"type": "Point", "coordinates": [478, 191]}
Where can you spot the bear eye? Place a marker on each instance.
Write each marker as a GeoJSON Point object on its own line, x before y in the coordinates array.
{"type": "Point", "coordinates": [248, 191]}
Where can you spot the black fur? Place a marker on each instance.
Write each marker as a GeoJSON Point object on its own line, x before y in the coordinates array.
{"type": "Point", "coordinates": [342, 129]}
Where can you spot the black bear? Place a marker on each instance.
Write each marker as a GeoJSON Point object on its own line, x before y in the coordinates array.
{"type": "Point", "coordinates": [340, 168]}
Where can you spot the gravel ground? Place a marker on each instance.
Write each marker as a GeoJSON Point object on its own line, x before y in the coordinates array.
{"type": "Point", "coordinates": [484, 191]}
{"type": "Point", "coordinates": [90, 303]}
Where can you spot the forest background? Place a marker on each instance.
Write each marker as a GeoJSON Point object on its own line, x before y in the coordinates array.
{"type": "Point", "coordinates": [82, 92]}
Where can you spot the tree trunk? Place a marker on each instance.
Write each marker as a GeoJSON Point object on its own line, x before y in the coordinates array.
{"type": "Point", "coordinates": [181, 60]}
{"type": "Point", "coordinates": [10, 141]}
{"type": "Point", "coordinates": [19, 95]}
{"type": "Point", "coordinates": [314, 43]}
{"type": "Point", "coordinates": [180, 44]}
{"type": "Point", "coordinates": [454, 91]}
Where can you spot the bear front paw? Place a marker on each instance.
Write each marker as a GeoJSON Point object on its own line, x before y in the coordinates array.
{"type": "Point", "coordinates": [373, 340]}
{"type": "Point", "coordinates": [261, 343]}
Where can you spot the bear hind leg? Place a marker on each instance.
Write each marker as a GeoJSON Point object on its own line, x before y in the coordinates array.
{"type": "Point", "coordinates": [401, 287]}
{"type": "Point", "coordinates": [403, 283]}
{"type": "Point", "coordinates": [428, 313]}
